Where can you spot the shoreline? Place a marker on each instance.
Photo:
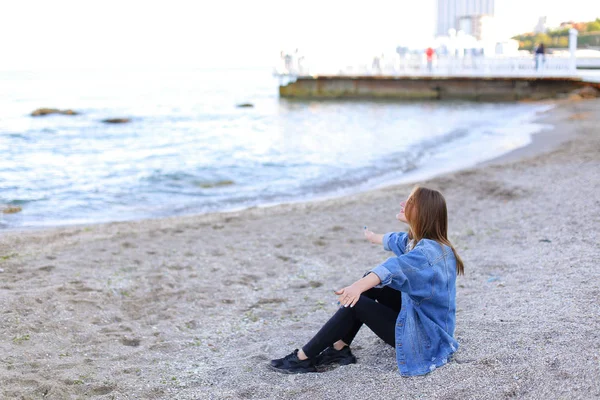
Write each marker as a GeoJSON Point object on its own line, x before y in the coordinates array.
{"type": "Point", "coordinates": [542, 141]}
{"type": "Point", "coordinates": [195, 306]}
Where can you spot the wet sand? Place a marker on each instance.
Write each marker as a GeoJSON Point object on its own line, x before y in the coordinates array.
{"type": "Point", "coordinates": [194, 307]}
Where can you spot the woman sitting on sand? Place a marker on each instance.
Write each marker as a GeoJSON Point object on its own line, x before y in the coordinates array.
{"type": "Point", "coordinates": [409, 301]}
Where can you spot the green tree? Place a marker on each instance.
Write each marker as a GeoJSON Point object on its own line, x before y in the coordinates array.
{"type": "Point", "coordinates": [543, 38]}
{"type": "Point", "coordinates": [563, 42]}
{"type": "Point", "coordinates": [558, 32]}
{"type": "Point", "coordinates": [593, 26]}
{"type": "Point", "coordinates": [559, 37]}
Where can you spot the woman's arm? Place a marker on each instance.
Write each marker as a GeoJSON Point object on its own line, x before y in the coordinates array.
{"type": "Point", "coordinates": [409, 273]}
{"type": "Point", "coordinates": [392, 241]}
{"type": "Point", "coordinates": [375, 238]}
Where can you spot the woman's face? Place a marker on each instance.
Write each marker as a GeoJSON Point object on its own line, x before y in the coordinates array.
{"type": "Point", "coordinates": [405, 209]}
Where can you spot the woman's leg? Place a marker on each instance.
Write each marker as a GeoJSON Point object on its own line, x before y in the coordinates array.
{"type": "Point", "coordinates": [387, 296]}
{"type": "Point", "coordinates": [380, 318]}
{"type": "Point", "coordinates": [372, 293]}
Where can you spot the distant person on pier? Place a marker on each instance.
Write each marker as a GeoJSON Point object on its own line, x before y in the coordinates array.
{"type": "Point", "coordinates": [299, 68]}
{"type": "Point", "coordinates": [288, 61]}
{"type": "Point", "coordinates": [376, 66]}
{"type": "Point", "coordinates": [540, 57]}
{"type": "Point", "coordinates": [282, 66]}
{"type": "Point", "coordinates": [300, 62]}
{"type": "Point", "coordinates": [429, 53]}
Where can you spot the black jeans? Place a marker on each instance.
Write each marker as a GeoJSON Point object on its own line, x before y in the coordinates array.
{"type": "Point", "coordinates": [377, 308]}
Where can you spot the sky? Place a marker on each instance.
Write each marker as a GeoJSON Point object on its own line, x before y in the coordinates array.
{"type": "Point", "coordinates": [231, 33]}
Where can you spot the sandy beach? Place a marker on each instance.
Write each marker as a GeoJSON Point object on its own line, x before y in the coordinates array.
{"type": "Point", "coordinates": [194, 307]}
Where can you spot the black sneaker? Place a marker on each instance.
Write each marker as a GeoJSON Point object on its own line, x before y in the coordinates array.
{"type": "Point", "coordinates": [291, 364]}
{"type": "Point", "coordinates": [333, 356]}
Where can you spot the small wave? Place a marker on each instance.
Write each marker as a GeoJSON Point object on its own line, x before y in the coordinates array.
{"type": "Point", "coordinates": [160, 177]}
{"type": "Point", "coordinates": [20, 202]}
{"type": "Point", "coordinates": [17, 136]}
{"type": "Point", "coordinates": [449, 137]}
{"type": "Point", "coordinates": [185, 183]}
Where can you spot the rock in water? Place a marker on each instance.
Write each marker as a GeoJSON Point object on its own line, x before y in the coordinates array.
{"type": "Point", "coordinates": [47, 111]}
{"type": "Point", "coordinates": [10, 209]}
{"type": "Point", "coordinates": [587, 92]}
{"type": "Point", "coordinates": [245, 105]}
{"type": "Point", "coordinates": [208, 185]}
{"type": "Point", "coordinates": [116, 120]}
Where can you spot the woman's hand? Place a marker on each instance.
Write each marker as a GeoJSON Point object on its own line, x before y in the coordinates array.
{"type": "Point", "coordinates": [369, 235]}
{"type": "Point", "coordinates": [349, 295]}
{"type": "Point", "coordinates": [373, 237]}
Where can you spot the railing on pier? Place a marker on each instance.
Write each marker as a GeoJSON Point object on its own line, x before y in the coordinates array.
{"type": "Point", "coordinates": [549, 66]}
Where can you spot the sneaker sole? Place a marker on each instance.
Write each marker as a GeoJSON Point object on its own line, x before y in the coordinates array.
{"type": "Point", "coordinates": [348, 361]}
{"type": "Point", "coordinates": [343, 361]}
{"type": "Point", "coordinates": [287, 371]}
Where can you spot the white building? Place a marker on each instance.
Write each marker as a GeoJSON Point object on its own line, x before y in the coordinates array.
{"type": "Point", "coordinates": [481, 27]}
{"type": "Point", "coordinates": [541, 26]}
{"type": "Point", "coordinates": [450, 13]}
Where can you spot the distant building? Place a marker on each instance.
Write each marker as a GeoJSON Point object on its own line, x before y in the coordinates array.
{"type": "Point", "coordinates": [450, 13]}
{"type": "Point", "coordinates": [482, 27]}
{"type": "Point", "coordinates": [541, 26]}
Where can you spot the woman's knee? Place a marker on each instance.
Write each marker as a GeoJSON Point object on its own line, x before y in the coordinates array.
{"type": "Point", "coordinates": [364, 302]}
{"type": "Point", "coordinates": [372, 293]}
{"type": "Point", "coordinates": [361, 304]}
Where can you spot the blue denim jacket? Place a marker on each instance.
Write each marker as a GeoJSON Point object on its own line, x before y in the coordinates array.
{"type": "Point", "coordinates": [426, 276]}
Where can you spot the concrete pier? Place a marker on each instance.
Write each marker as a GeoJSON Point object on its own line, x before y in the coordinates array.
{"type": "Point", "coordinates": [432, 87]}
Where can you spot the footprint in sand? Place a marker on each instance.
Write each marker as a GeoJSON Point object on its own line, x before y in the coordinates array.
{"type": "Point", "coordinates": [304, 285]}
{"type": "Point", "coordinates": [132, 342]}
{"type": "Point", "coordinates": [276, 300]}
{"type": "Point", "coordinates": [102, 390]}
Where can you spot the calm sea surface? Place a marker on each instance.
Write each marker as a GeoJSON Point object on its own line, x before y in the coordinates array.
{"type": "Point", "coordinates": [189, 149]}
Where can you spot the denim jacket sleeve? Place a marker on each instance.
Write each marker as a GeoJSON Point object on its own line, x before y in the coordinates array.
{"type": "Point", "coordinates": [395, 242]}
{"type": "Point", "coordinates": [407, 273]}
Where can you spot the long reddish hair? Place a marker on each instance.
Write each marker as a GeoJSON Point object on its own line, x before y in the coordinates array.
{"type": "Point", "coordinates": [427, 215]}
